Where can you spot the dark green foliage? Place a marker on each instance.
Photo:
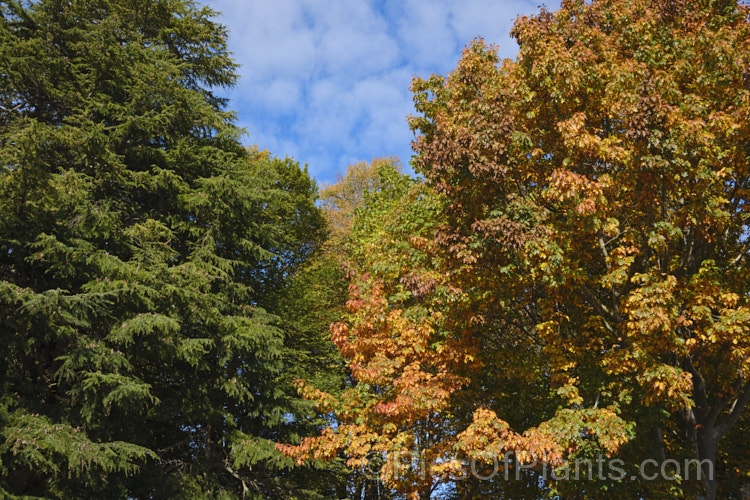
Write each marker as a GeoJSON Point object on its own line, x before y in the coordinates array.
{"type": "Point", "coordinates": [313, 299]}
{"type": "Point", "coordinates": [139, 354]}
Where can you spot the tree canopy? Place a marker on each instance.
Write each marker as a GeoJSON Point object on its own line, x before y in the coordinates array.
{"type": "Point", "coordinates": [141, 353]}
{"type": "Point", "coordinates": [566, 279]}
{"type": "Point", "coordinates": [341, 200]}
{"type": "Point", "coordinates": [570, 278]}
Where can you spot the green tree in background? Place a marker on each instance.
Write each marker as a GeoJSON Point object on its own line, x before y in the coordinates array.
{"type": "Point", "coordinates": [140, 355]}
{"type": "Point", "coordinates": [341, 200]}
{"type": "Point", "coordinates": [316, 297]}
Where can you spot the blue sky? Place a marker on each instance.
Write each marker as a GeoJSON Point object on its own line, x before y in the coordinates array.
{"type": "Point", "coordinates": [327, 82]}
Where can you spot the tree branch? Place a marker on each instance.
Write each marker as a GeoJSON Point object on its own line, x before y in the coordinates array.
{"type": "Point", "coordinates": [600, 308]}
{"type": "Point", "coordinates": [737, 259]}
{"type": "Point", "coordinates": [241, 479]}
{"type": "Point", "coordinates": [603, 247]}
{"type": "Point", "coordinates": [734, 414]}
{"type": "Point", "coordinates": [699, 389]}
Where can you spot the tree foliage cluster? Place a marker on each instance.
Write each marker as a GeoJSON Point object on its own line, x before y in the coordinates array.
{"type": "Point", "coordinates": [143, 260]}
{"type": "Point", "coordinates": [566, 279]}
{"type": "Point", "coordinates": [569, 278]}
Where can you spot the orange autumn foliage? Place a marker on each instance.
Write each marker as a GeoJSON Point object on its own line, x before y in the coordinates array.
{"type": "Point", "coordinates": [573, 269]}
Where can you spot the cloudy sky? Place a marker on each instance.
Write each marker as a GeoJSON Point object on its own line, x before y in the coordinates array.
{"type": "Point", "coordinates": [327, 81]}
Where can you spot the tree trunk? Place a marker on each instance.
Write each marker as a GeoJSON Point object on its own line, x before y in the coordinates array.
{"type": "Point", "coordinates": [658, 441]}
{"type": "Point", "coordinates": [707, 441]}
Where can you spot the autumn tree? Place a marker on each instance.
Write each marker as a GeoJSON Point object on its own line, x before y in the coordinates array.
{"type": "Point", "coordinates": [318, 294]}
{"type": "Point", "coordinates": [341, 200]}
{"type": "Point", "coordinates": [141, 354]}
{"type": "Point", "coordinates": [582, 228]}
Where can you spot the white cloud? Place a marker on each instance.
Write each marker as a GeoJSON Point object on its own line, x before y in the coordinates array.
{"type": "Point", "coordinates": [347, 51]}
{"type": "Point", "coordinates": [425, 34]}
{"type": "Point", "coordinates": [490, 19]}
{"type": "Point", "coordinates": [282, 95]}
{"type": "Point", "coordinates": [268, 38]}
{"type": "Point", "coordinates": [328, 82]}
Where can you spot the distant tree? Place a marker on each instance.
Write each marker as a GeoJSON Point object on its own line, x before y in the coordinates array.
{"type": "Point", "coordinates": [317, 297]}
{"type": "Point", "coordinates": [140, 352]}
{"type": "Point", "coordinates": [341, 200]}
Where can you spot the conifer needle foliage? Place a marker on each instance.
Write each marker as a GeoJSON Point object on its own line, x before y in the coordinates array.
{"type": "Point", "coordinates": [138, 242]}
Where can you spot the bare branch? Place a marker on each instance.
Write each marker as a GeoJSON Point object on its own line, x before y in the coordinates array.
{"type": "Point", "coordinates": [737, 407]}
{"type": "Point", "coordinates": [603, 247]}
{"type": "Point", "coordinates": [245, 481]}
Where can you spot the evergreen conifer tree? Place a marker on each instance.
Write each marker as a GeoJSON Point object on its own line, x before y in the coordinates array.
{"type": "Point", "coordinates": [137, 238]}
